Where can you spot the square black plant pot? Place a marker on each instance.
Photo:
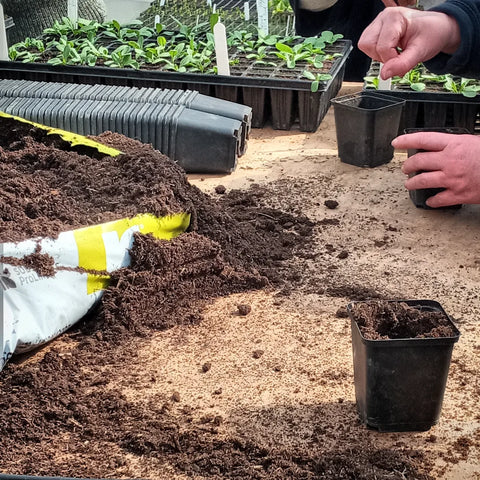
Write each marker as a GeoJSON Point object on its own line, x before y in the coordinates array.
{"type": "Point", "coordinates": [419, 197]}
{"type": "Point", "coordinates": [366, 123]}
{"type": "Point", "coordinates": [400, 383]}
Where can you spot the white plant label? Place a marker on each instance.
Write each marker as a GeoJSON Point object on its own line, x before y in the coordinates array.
{"type": "Point", "coordinates": [384, 84]}
{"type": "Point", "coordinates": [162, 3]}
{"type": "Point", "coordinates": [157, 20]}
{"type": "Point", "coordinates": [72, 10]}
{"type": "Point", "coordinates": [3, 40]}
{"type": "Point", "coordinates": [221, 49]}
{"type": "Point", "coordinates": [214, 8]}
{"type": "Point", "coordinates": [209, 3]}
{"type": "Point", "coordinates": [262, 12]}
{"type": "Point", "coordinates": [246, 11]}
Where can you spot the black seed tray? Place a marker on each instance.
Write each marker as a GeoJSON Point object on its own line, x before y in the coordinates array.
{"type": "Point", "coordinates": [279, 99]}
{"type": "Point", "coordinates": [435, 109]}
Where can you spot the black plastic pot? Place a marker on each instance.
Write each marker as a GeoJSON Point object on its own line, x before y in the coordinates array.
{"type": "Point", "coordinates": [419, 197]}
{"type": "Point", "coordinates": [400, 383]}
{"type": "Point", "coordinates": [191, 99]}
{"type": "Point", "coordinates": [366, 124]}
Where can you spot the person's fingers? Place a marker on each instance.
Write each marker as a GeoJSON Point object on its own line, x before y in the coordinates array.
{"type": "Point", "coordinates": [399, 64]}
{"type": "Point", "coordinates": [443, 199]}
{"type": "Point", "coordinates": [423, 161]}
{"type": "Point", "coordinates": [424, 180]}
{"type": "Point", "coordinates": [431, 141]}
{"type": "Point", "coordinates": [367, 42]}
{"type": "Point", "coordinates": [390, 3]}
{"type": "Point", "coordinates": [381, 39]}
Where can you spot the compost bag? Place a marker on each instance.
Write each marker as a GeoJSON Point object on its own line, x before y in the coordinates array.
{"type": "Point", "coordinates": [36, 306]}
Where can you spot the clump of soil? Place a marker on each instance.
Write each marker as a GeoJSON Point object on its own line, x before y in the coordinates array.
{"type": "Point", "coordinates": [380, 320]}
{"type": "Point", "coordinates": [42, 263]}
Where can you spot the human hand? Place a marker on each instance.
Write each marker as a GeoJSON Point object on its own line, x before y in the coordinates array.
{"type": "Point", "coordinates": [449, 161]}
{"type": "Point", "coordinates": [401, 3]}
{"type": "Point", "coordinates": [420, 35]}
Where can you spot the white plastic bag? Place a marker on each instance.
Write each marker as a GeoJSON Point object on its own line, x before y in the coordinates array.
{"type": "Point", "coordinates": [35, 309]}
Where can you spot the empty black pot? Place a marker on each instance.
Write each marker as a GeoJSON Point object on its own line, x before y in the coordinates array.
{"type": "Point", "coordinates": [366, 123]}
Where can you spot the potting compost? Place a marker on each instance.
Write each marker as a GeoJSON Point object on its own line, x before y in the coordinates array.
{"type": "Point", "coordinates": [380, 320]}
{"type": "Point", "coordinates": [50, 189]}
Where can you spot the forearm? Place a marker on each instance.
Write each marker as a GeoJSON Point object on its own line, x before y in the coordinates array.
{"type": "Point", "coordinates": [465, 60]}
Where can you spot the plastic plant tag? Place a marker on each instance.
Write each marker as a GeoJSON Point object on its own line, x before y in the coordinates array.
{"type": "Point", "coordinates": [246, 11]}
{"type": "Point", "coordinates": [384, 84]}
{"type": "Point", "coordinates": [73, 10]}
{"type": "Point", "coordinates": [162, 3]}
{"type": "Point", "coordinates": [221, 49]}
{"type": "Point", "coordinates": [36, 309]}
{"type": "Point", "coordinates": [262, 12]}
{"type": "Point", "coordinates": [3, 36]}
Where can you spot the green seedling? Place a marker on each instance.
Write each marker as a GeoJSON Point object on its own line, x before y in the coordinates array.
{"type": "Point", "coordinates": [371, 82]}
{"type": "Point", "coordinates": [277, 7]}
{"type": "Point", "coordinates": [291, 55]}
{"type": "Point", "coordinates": [122, 57]}
{"type": "Point", "coordinates": [260, 56]}
{"type": "Point", "coordinates": [68, 53]}
{"type": "Point", "coordinates": [413, 79]}
{"type": "Point", "coordinates": [329, 37]}
{"type": "Point", "coordinates": [316, 78]}
{"type": "Point", "coordinates": [461, 85]}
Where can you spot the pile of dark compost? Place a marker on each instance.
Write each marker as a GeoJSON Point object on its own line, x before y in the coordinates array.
{"type": "Point", "coordinates": [63, 413]}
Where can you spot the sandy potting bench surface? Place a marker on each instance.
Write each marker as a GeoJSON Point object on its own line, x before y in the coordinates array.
{"type": "Point", "coordinates": [274, 387]}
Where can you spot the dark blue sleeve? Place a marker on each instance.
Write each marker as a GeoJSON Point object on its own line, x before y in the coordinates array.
{"type": "Point", "coordinates": [466, 60]}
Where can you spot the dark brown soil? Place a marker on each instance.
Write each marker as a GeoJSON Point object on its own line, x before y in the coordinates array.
{"type": "Point", "coordinates": [65, 414]}
{"type": "Point", "coordinates": [379, 320]}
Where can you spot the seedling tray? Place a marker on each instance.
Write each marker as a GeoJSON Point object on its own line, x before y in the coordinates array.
{"type": "Point", "coordinates": [433, 109]}
{"type": "Point", "coordinates": [231, 12]}
{"type": "Point", "coordinates": [278, 94]}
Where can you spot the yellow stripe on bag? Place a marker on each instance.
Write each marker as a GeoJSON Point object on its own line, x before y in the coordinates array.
{"type": "Point", "coordinates": [92, 242]}
{"type": "Point", "coordinates": [72, 138]}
